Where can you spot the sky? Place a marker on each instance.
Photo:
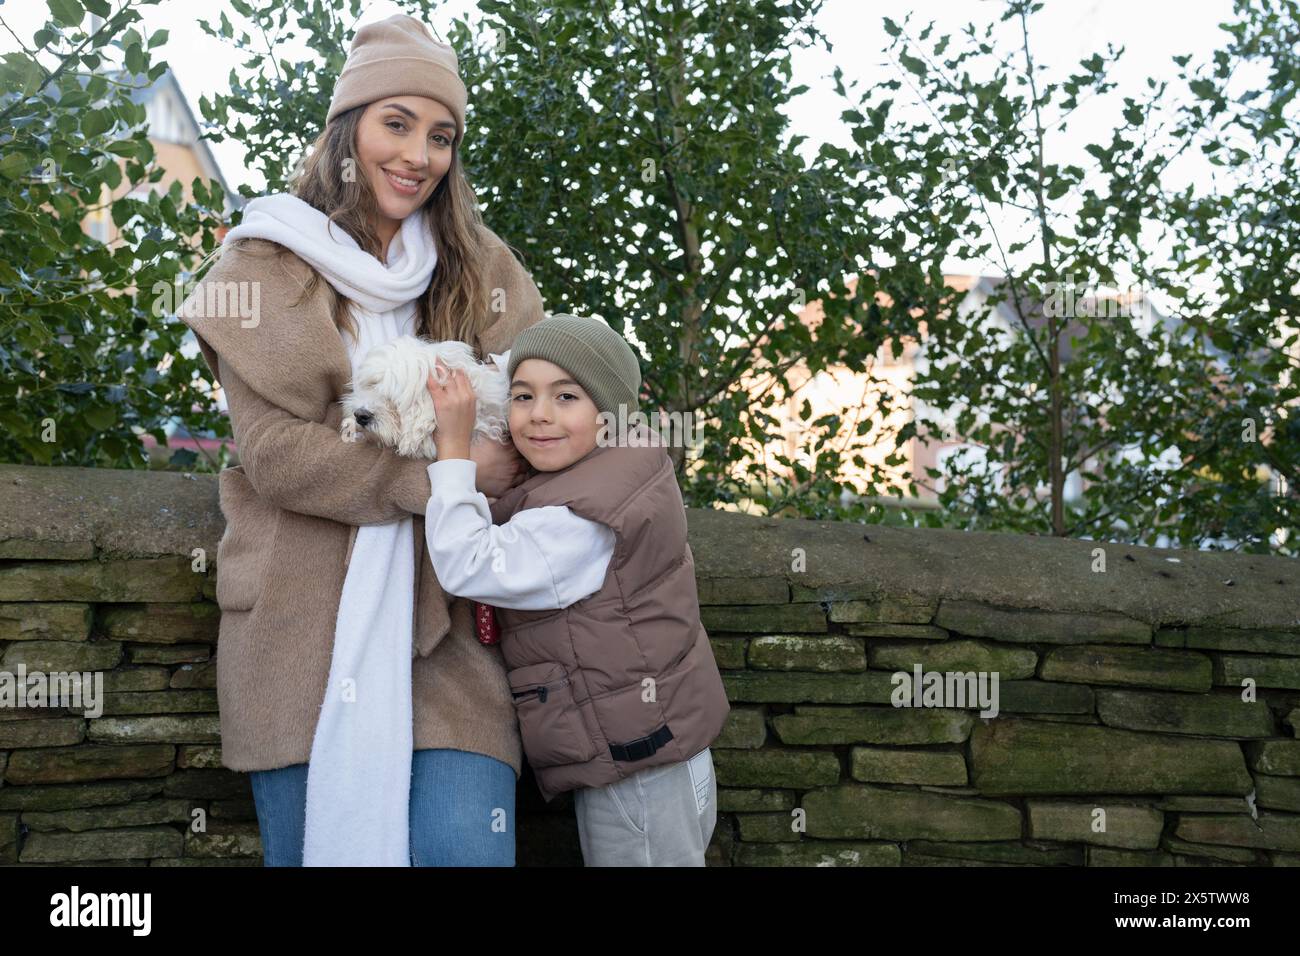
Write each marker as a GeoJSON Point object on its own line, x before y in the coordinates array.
{"type": "Point", "coordinates": [1063, 32]}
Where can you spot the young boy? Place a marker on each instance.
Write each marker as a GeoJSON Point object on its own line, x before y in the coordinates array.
{"type": "Point", "coordinates": [616, 688]}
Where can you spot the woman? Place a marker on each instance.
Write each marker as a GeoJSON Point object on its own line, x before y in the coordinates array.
{"type": "Point", "coordinates": [323, 580]}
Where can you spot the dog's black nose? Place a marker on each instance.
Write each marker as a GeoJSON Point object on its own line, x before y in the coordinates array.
{"type": "Point", "coordinates": [363, 417]}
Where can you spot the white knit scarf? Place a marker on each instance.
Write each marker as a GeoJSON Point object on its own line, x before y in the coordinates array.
{"type": "Point", "coordinates": [359, 775]}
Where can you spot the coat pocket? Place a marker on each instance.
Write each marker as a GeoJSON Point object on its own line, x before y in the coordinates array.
{"type": "Point", "coordinates": [245, 546]}
{"type": "Point", "coordinates": [552, 729]}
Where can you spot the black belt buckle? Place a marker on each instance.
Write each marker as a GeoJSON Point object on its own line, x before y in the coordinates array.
{"type": "Point", "coordinates": [642, 747]}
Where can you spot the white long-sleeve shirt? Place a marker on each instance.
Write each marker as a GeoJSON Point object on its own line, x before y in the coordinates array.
{"type": "Point", "coordinates": [541, 559]}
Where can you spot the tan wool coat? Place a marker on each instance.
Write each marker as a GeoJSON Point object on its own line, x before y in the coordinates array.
{"type": "Point", "coordinates": [292, 507]}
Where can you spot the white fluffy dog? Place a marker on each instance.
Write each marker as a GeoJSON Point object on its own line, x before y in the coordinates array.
{"type": "Point", "coordinates": [389, 400]}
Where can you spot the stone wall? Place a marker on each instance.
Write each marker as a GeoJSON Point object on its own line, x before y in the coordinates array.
{"type": "Point", "coordinates": [1147, 700]}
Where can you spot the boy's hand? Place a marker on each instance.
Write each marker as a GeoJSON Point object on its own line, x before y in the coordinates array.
{"type": "Point", "coordinates": [455, 405]}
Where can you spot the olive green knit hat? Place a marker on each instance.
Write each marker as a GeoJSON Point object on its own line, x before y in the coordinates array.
{"type": "Point", "coordinates": [598, 358]}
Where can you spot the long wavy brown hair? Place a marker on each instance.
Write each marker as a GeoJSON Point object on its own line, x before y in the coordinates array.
{"type": "Point", "coordinates": [455, 305]}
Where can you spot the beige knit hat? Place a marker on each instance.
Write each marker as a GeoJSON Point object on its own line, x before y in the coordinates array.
{"type": "Point", "coordinates": [398, 57]}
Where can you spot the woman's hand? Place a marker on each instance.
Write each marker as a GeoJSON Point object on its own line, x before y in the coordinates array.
{"type": "Point", "coordinates": [500, 467]}
{"type": "Point", "coordinates": [455, 404]}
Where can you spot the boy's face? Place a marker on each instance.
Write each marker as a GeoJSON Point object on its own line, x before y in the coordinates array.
{"type": "Point", "coordinates": [545, 403]}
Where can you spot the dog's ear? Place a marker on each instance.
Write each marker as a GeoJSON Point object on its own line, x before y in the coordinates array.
{"type": "Point", "coordinates": [405, 382]}
{"type": "Point", "coordinates": [417, 422]}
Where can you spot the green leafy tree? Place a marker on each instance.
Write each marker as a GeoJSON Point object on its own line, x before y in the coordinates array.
{"type": "Point", "coordinates": [1233, 270]}
{"type": "Point", "coordinates": [81, 343]}
{"type": "Point", "coordinates": [640, 159]}
{"type": "Point", "coordinates": [275, 107]}
{"type": "Point", "coordinates": [1063, 383]}
{"type": "Point", "coordinates": [643, 155]}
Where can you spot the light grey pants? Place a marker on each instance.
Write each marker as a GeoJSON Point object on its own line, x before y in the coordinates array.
{"type": "Point", "coordinates": [660, 816]}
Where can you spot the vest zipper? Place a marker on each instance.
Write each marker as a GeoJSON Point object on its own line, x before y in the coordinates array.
{"type": "Point", "coordinates": [540, 691]}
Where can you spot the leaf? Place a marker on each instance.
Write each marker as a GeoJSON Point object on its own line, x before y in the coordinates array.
{"type": "Point", "coordinates": [96, 122]}
{"type": "Point", "coordinates": [122, 209]}
{"type": "Point", "coordinates": [100, 417]}
{"type": "Point", "coordinates": [67, 12]}
{"type": "Point", "coordinates": [135, 58]}
{"type": "Point", "coordinates": [183, 458]}
{"type": "Point", "coordinates": [14, 165]}
{"type": "Point", "coordinates": [79, 164]}
{"type": "Point", "coordinates": [32, 76]}
{"type": "Point", "coordinates": [913, 64]}
{"type": "Point", "coordinates": [112, 174]}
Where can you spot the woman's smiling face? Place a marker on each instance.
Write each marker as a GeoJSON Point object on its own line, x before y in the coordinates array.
{"type": "Point", "coordinates": [404, 145]}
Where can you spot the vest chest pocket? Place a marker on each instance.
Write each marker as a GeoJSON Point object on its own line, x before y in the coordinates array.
{"type": "Point", "coordinates": [553, 731]}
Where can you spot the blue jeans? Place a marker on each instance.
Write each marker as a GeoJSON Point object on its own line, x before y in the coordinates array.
{"type": "Point", "coordinates": [457, 797]}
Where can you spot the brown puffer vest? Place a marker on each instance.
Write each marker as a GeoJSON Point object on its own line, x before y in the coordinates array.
{"type": "Point", "coordinates": [625, 678]}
